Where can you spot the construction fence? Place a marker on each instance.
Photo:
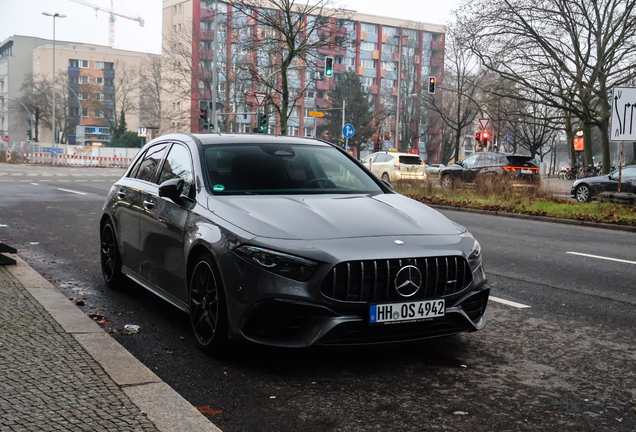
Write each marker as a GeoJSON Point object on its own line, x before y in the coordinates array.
{"type": "Point", "coordinates": [68, 154]}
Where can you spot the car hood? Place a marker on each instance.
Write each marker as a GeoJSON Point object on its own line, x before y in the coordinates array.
{"type": "Point", "coordinates": [315, 217]}
{"type": "Point", "coordinates": [597, 179]}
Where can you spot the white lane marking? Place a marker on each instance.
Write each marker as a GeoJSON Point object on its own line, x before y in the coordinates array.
{"type": "Point", "coordinates": [71, 191]}
{"type": "Point", "coordinates": [508, 302]}
{"type": "Point", "coordinates": [602, 257]}
{"type": "Point", "coordinates": [35, 184]}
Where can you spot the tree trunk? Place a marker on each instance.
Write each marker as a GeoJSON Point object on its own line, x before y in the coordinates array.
{"type": "Point", "coordinates": [570, 134]}
{"type": "Point", "coordinates": [457, 140]}
{"type": "Point", "coordinates": [604, 128]}
{"type": "Point", "coordinates": [587, 144]}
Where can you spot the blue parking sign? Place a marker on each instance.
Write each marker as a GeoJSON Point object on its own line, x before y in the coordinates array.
{"type": "Point", "coordinates": [348, 130]}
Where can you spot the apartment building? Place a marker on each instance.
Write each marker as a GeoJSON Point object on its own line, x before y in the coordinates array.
{"type": "Point", "coordinates": [90, 95]}
{"type": "Point", "coordinates": [374, 54]}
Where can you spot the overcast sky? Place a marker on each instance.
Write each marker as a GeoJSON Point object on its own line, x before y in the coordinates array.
{"type": "Point", "coordinates": [84, 24]}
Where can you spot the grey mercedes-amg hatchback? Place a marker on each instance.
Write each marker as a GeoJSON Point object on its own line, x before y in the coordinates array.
{"type": "Point", "coordinates": [287, 242]}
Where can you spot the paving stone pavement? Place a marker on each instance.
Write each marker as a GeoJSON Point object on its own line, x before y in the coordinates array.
{"type": "Point", "coordinates": [48, 382]}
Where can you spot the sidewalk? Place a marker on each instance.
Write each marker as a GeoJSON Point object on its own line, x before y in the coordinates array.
{"type": "Point", "coordinates": [59, 371]}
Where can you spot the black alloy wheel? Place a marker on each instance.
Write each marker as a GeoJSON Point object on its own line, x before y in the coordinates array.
{"type": "Point", "coordinates": [208, 315]}
{"type": "Point", "coordinates": [110, 259]}
{"type": "Point", "coordinates": [582, 193]}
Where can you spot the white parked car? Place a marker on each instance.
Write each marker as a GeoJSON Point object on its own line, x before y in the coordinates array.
{"type": "Point", "coordinates": [434, 169]}
{"type": "Point", "coordinates": [393, 165]}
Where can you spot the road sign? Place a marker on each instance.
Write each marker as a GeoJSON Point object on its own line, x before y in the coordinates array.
{"type": "Point", "coordinates": [348, 130]}
{"type": "Point", "coordinates": [316, 114]}
{"type": "Point", "coordinates": [484, 122]}
{"type": "Point", "coordinates": [508, 137]}
{"type": "Point", "coordinates": [578, 143]}
{"type": "Point", "coordinates": [6, 138]}
{"type": "Point", "coordinates": [141, 132]}
{"type": "Point", "coordinates": [622, 124]}
{"type": "Point", "coordinates": [260, 97]}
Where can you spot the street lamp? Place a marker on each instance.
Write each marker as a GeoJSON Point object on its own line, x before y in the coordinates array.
{"type": "Point", "coordinates": [399, 76]}
{"type": "Point", "coordinates": [55, 15]}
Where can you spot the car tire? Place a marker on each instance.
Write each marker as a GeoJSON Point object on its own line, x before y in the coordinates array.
{"type": "Point", "coordinates": [447, 182]}
{"type": "Point", "coordinates": [386, 177]}
{"type": "Point", "coordinates": [110, 257]}
{"type": "Point", "coordinates": [582, 193]}
{"type": "Point", "coordinates": [207, 307]}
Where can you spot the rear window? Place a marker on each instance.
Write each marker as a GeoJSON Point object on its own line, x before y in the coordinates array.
{"type": "Point", "coordinates": [410, 160]}
{"type": "Point", "coordinates": [520, 161]}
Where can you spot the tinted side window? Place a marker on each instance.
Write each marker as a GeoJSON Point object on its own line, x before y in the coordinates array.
{"type": "Point", "coordinates": [151, 161]}
{"type": "Point", "coordinates": [135, 169]}
{"type": "Point", "coordinates": [383, 158]}
{"type": "Point", "coordinates": [628, 172]}
{"type": "Point", "coordinates": [411, 160]}
{"type": "Point", "coordinates": [470, 161]}
{"type": "Point", "coordinates": [178, 164]}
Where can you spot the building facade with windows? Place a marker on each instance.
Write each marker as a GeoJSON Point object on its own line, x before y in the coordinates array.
{"type": "Point", "coordinates": [373, 52]}
{"type": "Point", "coordinates": [91, 89]}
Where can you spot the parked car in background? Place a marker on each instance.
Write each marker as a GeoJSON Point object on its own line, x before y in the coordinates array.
{"type": "Point", "coordinates": [392, 165]}
{"type": "Point", "coordinates": [478, 166]}
{"type": "Point", "coordinates": [287, 242]}
{"type": "Point", "coordinates": [434, 169]}
{"type": "Point", "coordinates": [585, 189]}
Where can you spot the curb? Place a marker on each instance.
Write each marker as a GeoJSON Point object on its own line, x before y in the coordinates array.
{"type": "Point", "coordinates": [163, 406]}
{"type": "Point", "coordinates": [627, 228]}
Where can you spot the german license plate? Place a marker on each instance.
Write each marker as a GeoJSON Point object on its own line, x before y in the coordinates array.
{"type": "Point", "coordinates": [525, 171]}
{"type": "Point", "coordinates": [406, 312]}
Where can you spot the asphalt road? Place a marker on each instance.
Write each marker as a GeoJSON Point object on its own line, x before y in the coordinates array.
{"type": "Point", "coordinates": [567, 362]}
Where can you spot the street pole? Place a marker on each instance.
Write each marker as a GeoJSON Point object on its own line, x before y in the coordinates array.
{"type": "Point", "coordinates": [399, 76]}
{"type": "Point", "coordinates": [30, 116]}
{"type": "Point", "coordinates": [620, 167]}
{"type": "Point", "coordinates": [215, 74]}
{"type": "Point", "coordinates": [344, 102]}
{"type": "Point", "coordinates": [55, 15]}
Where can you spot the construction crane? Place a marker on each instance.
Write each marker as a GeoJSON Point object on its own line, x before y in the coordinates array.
{"type": "Point", "coordinates": [111, 11]}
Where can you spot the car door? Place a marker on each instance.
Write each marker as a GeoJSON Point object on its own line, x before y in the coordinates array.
{"type": "Point", "coordinates": [126, 218]}
{"type": "Point", "coordinates": [629, 177]}
{"type": "Point", "coordinates": [164, 224]}
{"type": "Point", "coordinates": [380, 164]}
{"type": "Point", "coordinates": [470, 167]}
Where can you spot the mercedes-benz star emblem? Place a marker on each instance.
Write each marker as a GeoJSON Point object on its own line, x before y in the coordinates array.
{"type": "Point", "coordinates": [408, 281]}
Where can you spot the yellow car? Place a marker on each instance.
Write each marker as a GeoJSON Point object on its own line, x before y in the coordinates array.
{"type": "Point", "coordinates": [391, 166]}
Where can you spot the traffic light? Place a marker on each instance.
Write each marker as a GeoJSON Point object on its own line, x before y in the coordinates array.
{"type": "Point", "coordinates": [478, 138]}
{"type": "Point", "coordinates": [342, 142]}
{"type": "Point", "coordinates": [29, 134]}
{"type": "Point", "coordinates": [328, 66]}
{"type": "Point", "coordinates": [263, 121]}
{"type": "Point", "coordinates": [431, 85]}
{"type": "Point", "coordinates": [484, 138]}
{"type": "Point", "coordinates": [204, 112]}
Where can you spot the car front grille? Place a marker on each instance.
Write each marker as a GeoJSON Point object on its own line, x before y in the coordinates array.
{"type": "Point", "coordinates": [374, 280]}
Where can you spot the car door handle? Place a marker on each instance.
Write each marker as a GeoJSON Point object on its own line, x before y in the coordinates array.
{"type": "Point", "coordinates": [148, 203]}
{"type": "Point", "coordinates": [121, 194]}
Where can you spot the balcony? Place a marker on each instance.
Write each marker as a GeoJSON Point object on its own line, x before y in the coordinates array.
{"type": "Point", "coordinates": [417, 59]}
{"type": "Point", "coordinates": [437, 62]}
{"type": "Point", "coordinates": [324, 50]}
{"type": "Point", "coordinates": [322, 85]}
{"type": "Point", "coordinates": [339, 68]}
{"type": "Point", "coordinates": [73, 70]}
{"type": "Point", "coordinates": [382, 73]}
{"type": "Point", "coordinates": [340, 51]}
{"type": "Point", "coordinates": [361, 70]}
{"type": "Point", "coordinates": [109, 73]}
{"type": "Point", "coordinates": [437, 45]}
{"type": "Point", "coordinates": [394, 91]}
{"type": "Point", "coordinates": [207, 14]}
{"type": "Point", "coordinates": [385, 38]}
{"type": "Point", "coordinates": [374, 89]}
{"type": "Point", "coordinates": [396, 57]}
{"type": "Point", "coordinates": [375, 54]}
{"type": "Point", "coordinates": [363, 35]}
{"type": "Point", "coordinates": [206, 34]}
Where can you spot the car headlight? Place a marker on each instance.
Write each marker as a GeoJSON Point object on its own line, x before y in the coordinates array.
{"type": "Point", "coordinates": [474, 256]}
{"type": "Point", "coordinates": [280, 263]}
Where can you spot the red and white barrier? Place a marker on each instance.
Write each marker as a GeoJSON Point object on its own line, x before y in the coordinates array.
{"type": "Point", "coordinates": [48, 158]}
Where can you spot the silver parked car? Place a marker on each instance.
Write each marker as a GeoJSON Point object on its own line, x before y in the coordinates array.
{"type": "Point", "coordinates": [434, 169]}
{"type": "Point", "coordinates": [288, 242]}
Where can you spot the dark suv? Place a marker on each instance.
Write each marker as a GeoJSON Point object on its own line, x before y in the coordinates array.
{"type": "Point", "coordinates": [484, 165]}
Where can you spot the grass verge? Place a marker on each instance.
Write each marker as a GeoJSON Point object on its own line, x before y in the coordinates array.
{"type": "Point", "coordinates": [505, 197]}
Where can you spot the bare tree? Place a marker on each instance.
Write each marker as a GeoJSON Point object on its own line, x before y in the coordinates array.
{"type": "Point", "coordinates": [568, 52]}
{"type": "Point", "coordinates": [151, 88]}
{"type": "Point", "coordinates": [287, 38]}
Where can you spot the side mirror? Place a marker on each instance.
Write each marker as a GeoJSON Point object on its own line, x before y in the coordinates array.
{"type": "Point", "coordinates": [171, 189]}
{"type": "Point", "coordinates": [387, 184]}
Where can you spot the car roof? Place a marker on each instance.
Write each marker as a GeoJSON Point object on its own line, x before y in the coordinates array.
{"type": "Point", "coordinates": [211, 139]}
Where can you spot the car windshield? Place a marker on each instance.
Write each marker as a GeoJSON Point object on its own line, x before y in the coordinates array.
{"type": "Point", "coordinates": [283, 169]}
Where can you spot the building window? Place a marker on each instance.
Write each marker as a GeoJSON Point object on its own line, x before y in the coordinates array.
{"type": "Point", "coordinates": [84, 112]}
{"type": "Point", "coordinates": [350, 61]}
{"type": "Point", "coordinates": [179, 26]}
{"type": "Point", "coordinates": [74, 112]}
{"type": "Point", "coordinates": [201, 84]}
{"type": "Point", "coordinates": [389, 49]}
{"type": "Point", "coordinates": [109, 65]}
{"type": "Point", "coordinates": [292, 131]}
{"type": "Point", "coordinates": [368, 46]}
{"type": "Point", "coordinates": [390, 66]}
{"type": "Point", "coordinates": [179, 8]}
{"type": "Point", "coordinates": [72, 80]}
{"type": "Point", "coordinates": [370, 28]}
{"type": "Point", "coordinates": [83, 79]}
{"type": "Point", "coordinates": [109, 81]}
{"type": "Point", "coordinates": [99, 65]}
{"type": "Point", "coordinates": [388, 83]}
{"type": "Point", "coordinates": [82, 96]}
{"type": "Point", "coordinates": [411, 34]}
{"type": "Point", "coordinates": [99, 81]}
{"type": "Point", "coordinates": [100, 96]}
{"type": "Point", "coordinates": [309, 132]}
{"type": "Point", "coordinates": [295, 111]}
{"type": "Point", "coordinates": [73, 63]}
{"type": "Point", "coordinates": [367, 81]}
{"type": "Point", "coordinates": [371, 64]}
{"type": "Point", "coordinates": [99, 113]}
{"type": "Point", "coordinates": [83, 64]}
{"type": "Point", "coordinates": [390, 31]}
{"type": "Point", "coordinates": [175, 10]}
{"type": "Point", "coordinates": [310, 93]}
